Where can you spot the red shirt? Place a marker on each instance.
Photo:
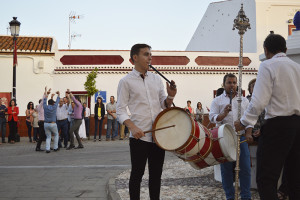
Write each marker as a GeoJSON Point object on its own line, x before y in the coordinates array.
{"type": "Point", "coordinates": [13, 115]}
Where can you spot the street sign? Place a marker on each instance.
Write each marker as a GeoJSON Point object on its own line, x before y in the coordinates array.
{"type": "Point", "coordinates": [101, 94]}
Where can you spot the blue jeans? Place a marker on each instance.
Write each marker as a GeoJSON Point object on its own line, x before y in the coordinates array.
{"type": "Point", "coordinates": [112, 124]}
{"type": "Point", "coordinates": [98, 124]}
{"type": "Point", "coordinates": [3, 128]}
{"type": "Point", "coordinates": [35, 133]}
{"type": "Point", "coordinates": [87, 126]}
{"type": "Point", "coordinates": [29, 127]}
{"type": "Point", "coordinates": [51, 128]}
{"type": "Point", "coordinates": [245, 174]}
{"type": "Point", "coordinates": [63, 126]}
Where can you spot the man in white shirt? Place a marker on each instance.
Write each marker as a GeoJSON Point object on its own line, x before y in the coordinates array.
{"type": "Point", "coordinates": [277, 90]}
{"type": "Point", "coordinates": [224, 110]}
{"type": "Point", "coordinates": [62, 122]}
{"type": "Point", "coordinates": [87, 114]}
{"type": "Point", "coordinates": [143, 92]}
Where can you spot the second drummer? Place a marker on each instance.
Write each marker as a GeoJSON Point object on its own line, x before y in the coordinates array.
{"type": "Point", "coordinates": [143, 93]}
{"type": "Point", "coordinates": [222, 112]}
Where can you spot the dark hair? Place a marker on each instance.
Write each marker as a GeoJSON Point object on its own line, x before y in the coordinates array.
{"type": "Point", "coordinates": [135, 49]}
{"type": "Point", "coordinates": [275, 43]}
{"type": "Point", "coordinates": [113, 97]}
{"type": "Point", "coordinates": [219, 91]}
{"type": "Point", "coordinates": [97, 104]}
{"type": "Point", "coordinates": [188, 101]}
{"type": "Point", "coordinates": [250, 83]}
{"type": "Point", "coordinates": [14, 100]}
{"type": "Point", "coordinates": [228, 75]}
{"type": "Point", "coordinates": [28, 105]}
{"type": "Point", "coordinates": [40, 101]}
{"type": "Point", "coordinates": [199, 103]}
{"type": "Point", "coordinates": [51, 102]}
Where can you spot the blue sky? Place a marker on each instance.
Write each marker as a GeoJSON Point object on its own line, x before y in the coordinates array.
{"type": "Point", "coordinates": [114, 24]}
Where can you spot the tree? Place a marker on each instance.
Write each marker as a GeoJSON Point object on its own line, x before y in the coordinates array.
{"type": "Point", "coordinates": [90, 84]}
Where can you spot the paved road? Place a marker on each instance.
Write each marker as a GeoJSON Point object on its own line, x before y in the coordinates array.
{"type": "Point", "coordinates": [63, 175]}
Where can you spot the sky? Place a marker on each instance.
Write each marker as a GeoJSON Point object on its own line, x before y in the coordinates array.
{"type": "Point", "coordinates": [110, 24]}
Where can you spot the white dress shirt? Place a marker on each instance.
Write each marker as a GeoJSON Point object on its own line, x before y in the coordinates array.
{"type": "Point", "coordinates": [218, 105]}
{"type": "Point", "coordinates": [62, 112]}
{"type": "Point", "coordinates": [144, 98]}
{"type": "Point", "coordinates": [277, 89]}
{"type": "Point", "coordinates": [87, 112]}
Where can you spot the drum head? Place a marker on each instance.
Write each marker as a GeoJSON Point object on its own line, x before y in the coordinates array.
{"type": "Point", "coordinates": [175, 137]}
{"type": "Point", "coordinates": [228, 141]}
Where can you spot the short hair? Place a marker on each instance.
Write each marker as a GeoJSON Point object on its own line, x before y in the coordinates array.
{"type": "Point", "coordinates": [28, 105]}
{"type": "Point", "coordinates": [135, 49]}
{"type": "Point", "coordinates": [228, 75]}
{"type": "Point", "coordinates": [14, 100]}
{"type": "Point", "coordinates": [219, 91]}
{"type": "Point", "coordinates": [50, 102]}
{"type": "Point", "coordinates": [275, 43]}
{"type": "Point", "coordinates": [113, 97]}
{"type": "Point", "coordinates": [250, 83]}
{"type": "Point", "coordinates": [40, 100]}
{"type": "Point", "coordinates": [188, 101]}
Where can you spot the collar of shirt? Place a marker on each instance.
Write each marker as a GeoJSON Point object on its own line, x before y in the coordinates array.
{"type": "Point", "coordinates": [138, 74]}
{"type": "Point", "coordinates": [279, 55]}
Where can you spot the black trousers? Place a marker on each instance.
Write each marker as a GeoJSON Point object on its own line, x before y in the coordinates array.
{"type": "Point", "coordinates": [42, 135]}
{"type": "Point", "coordinates": [140, 152]}
{"type": "Point", "coordinates": [12, 130]}
{"type": "Point", "coordinates": [278, 146]}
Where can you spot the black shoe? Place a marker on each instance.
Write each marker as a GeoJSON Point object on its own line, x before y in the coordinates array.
{"type": "Point", "coordinates": [71, 147]}
{"type": "Point", "coordinates": [56, 149]}
{"type": "Point", "coordinates": [39, 149]}
{"type": "Point", "coordinates": [47, 151]}
{"type": "Point", "coordinates": [51, 148]}
{"type": "Point", "coordinates": [79, 147]}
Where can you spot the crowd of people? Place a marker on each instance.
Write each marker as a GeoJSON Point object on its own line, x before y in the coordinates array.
{"type": "Point", "coordinates": [61, 118]}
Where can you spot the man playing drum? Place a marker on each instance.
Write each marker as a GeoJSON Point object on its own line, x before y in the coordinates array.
{"type": "Point", "coordinates": [222, 112]}
{"type": "Point", "coordinates": [277, 91]}
{"type": "Point", "coordinates": [144, 94]}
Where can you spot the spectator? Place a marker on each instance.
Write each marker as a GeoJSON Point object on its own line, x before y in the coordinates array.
{"type": "Point", "coordinates": [29, 119]}
{"type": "Point", "coordinates": [3, 110]}
{"type": "Point", "coordinates": [99, 112]}
{"type": "Point", "coordinates": [87, 115]}
{"type": "Point", "coordinates": [111, 119]}
{"type": "Point", "coordinates": [13, 112]}
{"type": "Point", "coordinates": [189, 108]}
{"type": "Point", "coordinates": [199, 112]}
{"type": "Point", "coordinates": [35, 125]}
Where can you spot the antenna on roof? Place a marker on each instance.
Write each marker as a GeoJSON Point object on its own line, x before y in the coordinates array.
{"type": "Point", "coordinates": [72, 18]}
{"type": "Point", "coordinates": [7, 30]}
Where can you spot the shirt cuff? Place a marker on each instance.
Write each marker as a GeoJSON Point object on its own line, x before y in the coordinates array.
{"type": "Point", "coordinates": [122, 118]}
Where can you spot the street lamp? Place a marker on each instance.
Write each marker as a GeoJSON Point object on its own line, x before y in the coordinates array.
{"type": "Point", "coordinates": [14, 30]}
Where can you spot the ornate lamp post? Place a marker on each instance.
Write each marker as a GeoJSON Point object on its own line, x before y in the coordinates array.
{"type": "Point", "coordinates": [14, 30]}
{"type": "Point", "coordinates": [241, 22]}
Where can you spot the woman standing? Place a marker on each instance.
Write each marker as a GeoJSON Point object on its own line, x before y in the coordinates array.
{"type": "Point", "coordinates": [199, 112]}
{"type": "Point", "coordinates": [99, 113]}
{"type": "Point", "coordinates": [13, 112]}
{"type": "Point", "coordinates": [35, 125]}
{"type": "Point", "coordinates": [189, 109]}
{"type": "Point", "coordinates": [29, 119]}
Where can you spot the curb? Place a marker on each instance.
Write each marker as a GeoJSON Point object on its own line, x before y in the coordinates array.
{"type": "Point", "coordinates": [111, 190]}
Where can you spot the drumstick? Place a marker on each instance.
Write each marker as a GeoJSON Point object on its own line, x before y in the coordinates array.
{"type": "Point", "coordinates": [231, 96]}
{"type": "Point", "coordinates": [243, 141]}
{"type": "Point", "coordinates": [174, 86]}
{"type": "Point", "coordinates": [159, 129]}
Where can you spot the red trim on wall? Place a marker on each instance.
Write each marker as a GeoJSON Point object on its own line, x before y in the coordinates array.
{"type": "Point", "coordinates": [168, 60]}
{"type": "Point", "coordinates": [91, 60]}
{"type": "Point", "coordinates": [221, 61]}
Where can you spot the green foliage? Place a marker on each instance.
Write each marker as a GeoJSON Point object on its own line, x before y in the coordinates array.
{"type": "Point", "coordinates": [90, 84]}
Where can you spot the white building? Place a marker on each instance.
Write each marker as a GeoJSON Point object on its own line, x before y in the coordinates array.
{"type": "Point", "coordinates": [198, 71]}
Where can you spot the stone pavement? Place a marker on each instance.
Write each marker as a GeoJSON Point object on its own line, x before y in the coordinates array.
{"type": "Point", "coordinates": [63, 175]}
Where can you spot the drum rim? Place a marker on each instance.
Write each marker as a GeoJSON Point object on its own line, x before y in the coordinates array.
{"type": "Point", "coordinates": [190, 136]}
{"type": "Point", "coordinates": [208, 150]}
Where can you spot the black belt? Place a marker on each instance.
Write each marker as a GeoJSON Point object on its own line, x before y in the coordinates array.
{"type": "Point", "coordinates": [62, 120]}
